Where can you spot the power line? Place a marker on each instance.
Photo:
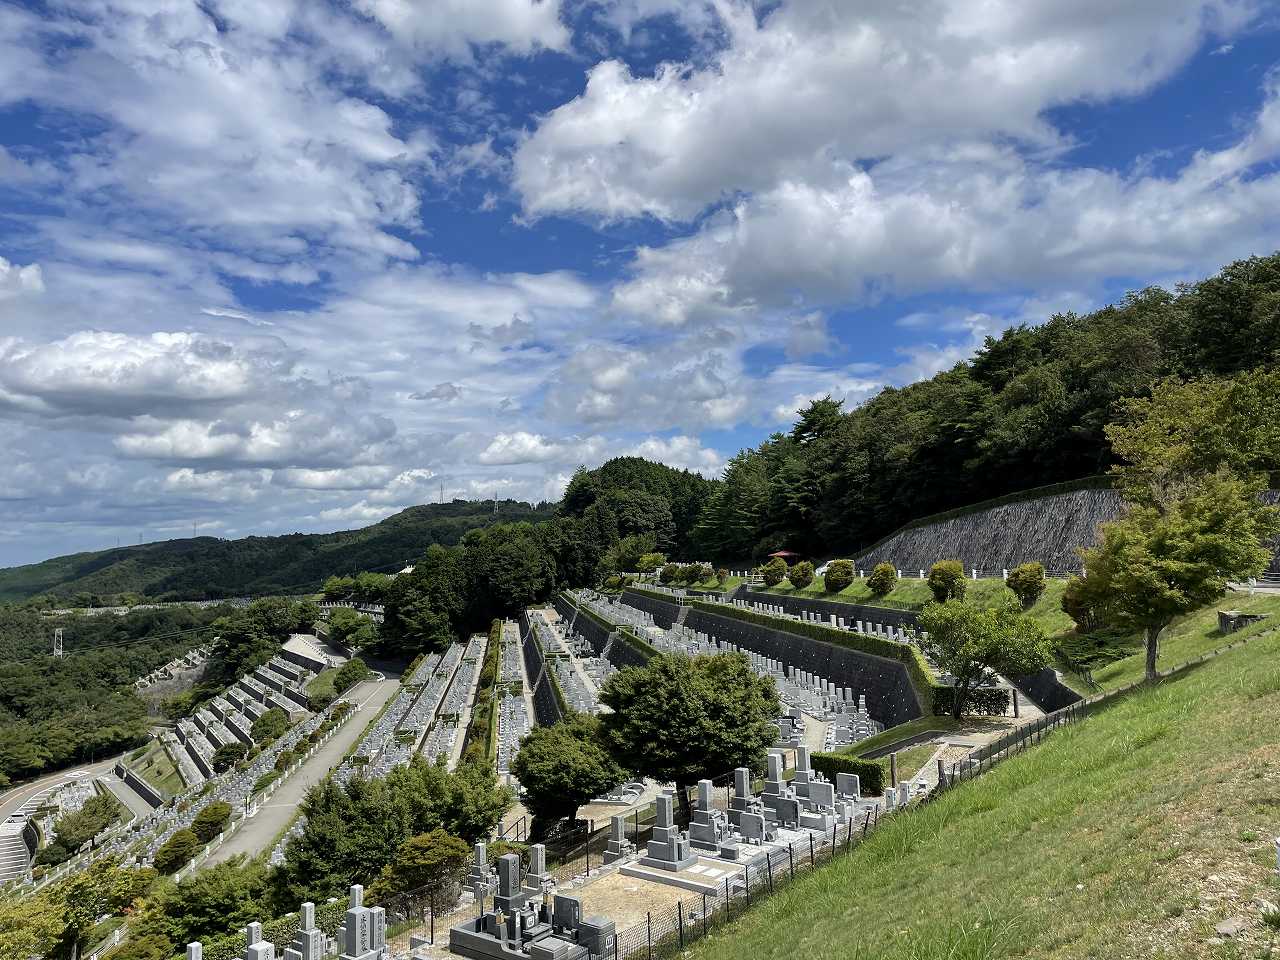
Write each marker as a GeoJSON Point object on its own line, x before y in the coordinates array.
{"type": "Point", "coordinates": [118, 643]}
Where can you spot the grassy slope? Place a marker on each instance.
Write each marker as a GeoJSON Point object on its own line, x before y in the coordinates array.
{"type": "Point", "coordinates": [914, 593]}
{"type": "Point", "coordinates": [1130, 834]}
{"type": "Point", "coordinates": [156, 767]}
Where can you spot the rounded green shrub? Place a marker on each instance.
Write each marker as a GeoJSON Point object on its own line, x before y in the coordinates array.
{"type": "Point", "coordinates": [883, 579]}
{"type": "Point", "coordinates": [801, 575]}
{"type": "Point", "coordinates": [946, 580]}
{"type": "Point", "coordinates": [840, 574]}
{"type": "Point", "coordinates": [1027, 582]}
{"type": "Point", "coordinates": [774, 572]}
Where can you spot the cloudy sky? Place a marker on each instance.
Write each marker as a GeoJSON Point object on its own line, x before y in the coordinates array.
{"type": "Point", "coordinates": [277, 265]}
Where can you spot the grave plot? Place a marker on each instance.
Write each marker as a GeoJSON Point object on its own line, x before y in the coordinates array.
{"type": "Point", "coordinates": [570, 661]}
{"type": "Point", "coordinates": [840, 711]}
{"type": "Point", "coordinates": [454, 710]}
{"type": "Point", "coordinates": [515, 706]}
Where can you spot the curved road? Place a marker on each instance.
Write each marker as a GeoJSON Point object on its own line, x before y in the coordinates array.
{"type": "Point", "coordinates": [259, 833]}
{"type": "Point", "coordinates": [13, 799]}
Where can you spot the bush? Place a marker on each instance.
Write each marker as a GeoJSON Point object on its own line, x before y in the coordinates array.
{"type": "Point", "coordinates": [839, 575]}
{"type": "Point", "coordinates": [774, 572]}
{"type": "Point", "coordinates": [227, 756]}
{"type": "Point", "coordinates": [285, 760]}
{"type": "Point", "coordinates": [1027, 583]}
{"type": "Point", "coordinates": [177, 852]}
{"type": "Point", "coordinates": [690, 573]}
{"type": "Point", "coordinates": [946, 580]}
{"type": "Point", "coordinates": [883, 579]}
{"type": "Point", "coordinates": [986, 701]}
{"type": "Point", "coordinates": [1077, 604]}
{"type": "Point", "coordinates": [722, 576]}
{"type": "Point", "coordinates": [264, 781]}
{"type": "Point", "coordinates": [705, 572]}
{"type": "Point", "coordinates": [870, 774]}
{"type": "Point", "coordinates": [650, 562]}
{"type": "Point", "coordinates": [270, 726]}
{"type": "Point", "coordinates": [801, 575]}
{"type": "Point", "coordinates": [211, 821]}
{"type": "Point", "coordinates": [669, 572]}
{"type": "Point", "coordinates": [350, 673]}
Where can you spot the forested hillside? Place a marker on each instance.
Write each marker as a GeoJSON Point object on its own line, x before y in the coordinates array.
{"type": "Point", "coordinates": [210, 568]}
{"type": "Point", "coordinates": [56, 712]}
{"type": "Point", "coordinates": [1028, 410]}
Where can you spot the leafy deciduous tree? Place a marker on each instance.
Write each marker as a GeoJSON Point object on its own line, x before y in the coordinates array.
{"type": "Point", "coordinates": [969, 642]}
{"type": "Point", "coordinates": [680, 719]}
{"type": "Point", "coordinates": [564, 766]}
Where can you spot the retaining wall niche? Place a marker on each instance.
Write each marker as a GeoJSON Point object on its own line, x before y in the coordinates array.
{"type": "Point", "coordinates": [664, 613]}
{"type": "Point", "coordinates": [1048, 692]}
{"type": "Point", "coordinates": [619, 652]}
{"type": "Point", "coordinates": [891, 698]}
{"type": "Point", "coordinates": [546, 709]}
{"type": "Point", "coordinates": [140, 786]}
{"type": "Point", "coordinates": [850, 612]}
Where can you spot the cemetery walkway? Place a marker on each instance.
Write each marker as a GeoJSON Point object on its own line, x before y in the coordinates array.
{"type": "Point", "coordinates": [126, 794]}
{"type": "Point", "coordinates": [275, 815]}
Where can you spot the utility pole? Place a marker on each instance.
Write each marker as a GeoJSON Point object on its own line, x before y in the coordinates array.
{"type": "Point", "coordinates": [57, 642]}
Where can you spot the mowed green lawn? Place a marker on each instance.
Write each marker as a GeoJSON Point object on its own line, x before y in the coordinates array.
{"type": "Point", "coordinates": [914, 593]}
{"type": "Point", "coordinates": [1131, 834]}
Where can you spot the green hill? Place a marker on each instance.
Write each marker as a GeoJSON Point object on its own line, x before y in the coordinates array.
{"type": "Point", "coordinates": [1133, 833]}
{"type": "Point", "coordinates": [209, 568]}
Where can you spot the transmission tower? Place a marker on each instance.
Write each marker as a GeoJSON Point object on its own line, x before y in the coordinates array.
{"type": "Point", "coordinates": [57, 642]}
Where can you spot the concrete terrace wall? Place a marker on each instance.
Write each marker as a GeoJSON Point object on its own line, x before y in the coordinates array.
{"type": "Point", "coordinates": [1048, 529]}
{"type": "Point", "coordinates": [891, 698]}
{"type": "Point", "coordinates": [825, 608]}
{"type": "Point", "coordinates": [143, 789]}
{"type": "Point", "coordinates": [546, 709]}
{"type": "Point", "coordinates": [620, 653]}
{"type": "Point", "coordinates": [664, 613]}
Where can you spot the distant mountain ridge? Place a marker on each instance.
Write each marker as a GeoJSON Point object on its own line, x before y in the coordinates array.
{"type": "Point", "coordinates": [210, 568]}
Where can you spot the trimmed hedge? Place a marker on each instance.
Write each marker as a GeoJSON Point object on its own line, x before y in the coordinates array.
{"type": "Point", "coordinates": [870, 773]}
{"type": "Point", "coordinates": [986, 701]}
{"type": "Point", "coordinates": [479, 736]}
{"type": "Point", "coordinates": [921, 676]}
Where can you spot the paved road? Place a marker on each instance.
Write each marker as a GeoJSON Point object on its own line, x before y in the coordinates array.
{"type": "Point", "coordinates": [255, 836]}
{"type": "Point", "coordinates": [15, 798]}
{"type": "Point", "coordinates": [127, 795]}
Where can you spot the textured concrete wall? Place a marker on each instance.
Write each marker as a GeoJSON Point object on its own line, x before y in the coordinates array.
{"type": "Point", "coordinates": [851, 612]}
{"type": "Point", "coordinates": [546, 709]}
{"type": "Point", "coordinates": [891, 698]}
{"type": "Point", "coordinates": [664, 613]}
{"type": "Point", "coordinates": [1048, 529]}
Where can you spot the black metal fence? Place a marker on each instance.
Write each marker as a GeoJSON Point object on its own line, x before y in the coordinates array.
{"type": "Point", "coordinates": [663, 933]}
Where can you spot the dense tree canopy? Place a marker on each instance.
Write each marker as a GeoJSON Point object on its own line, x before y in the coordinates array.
{"type": "Point", "coordinates": [1029, 409]}
{"type": "Point", "coordinates": [564, 766]}
{"type": "Point", "coordinates": [680, 719]}
{"type": "Point", "coordinates": [353, 831]}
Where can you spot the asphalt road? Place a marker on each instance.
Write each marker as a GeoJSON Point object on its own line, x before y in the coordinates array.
{"type": "Point", "coordinates": [254, 837]}
{"type": "Point", "coordinates": [12, 799]}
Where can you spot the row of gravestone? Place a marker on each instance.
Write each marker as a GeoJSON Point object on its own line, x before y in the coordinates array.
{"type": "Point", "coordinates": [362, 936]}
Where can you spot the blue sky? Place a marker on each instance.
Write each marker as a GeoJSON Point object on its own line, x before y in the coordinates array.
{"type": "Point", "coordinates": [274, 265]}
